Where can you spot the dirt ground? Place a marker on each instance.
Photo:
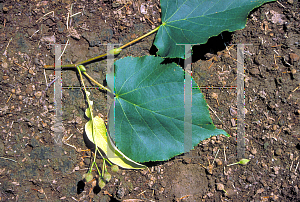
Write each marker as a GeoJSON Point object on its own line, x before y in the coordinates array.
{"type": "Point", "coordinates": [34, 168]}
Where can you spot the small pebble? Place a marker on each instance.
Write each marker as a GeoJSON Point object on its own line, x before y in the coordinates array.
{"type": "Point", "coordinates": [214, 95]}
{"type": "Point", "coordinates": [275, 127]}
{"type": "Point", "coordinates": [230, 193]}
{"type": "Point", "coordinates": [13, 91]}
{"type": "Point", "coordinates": [220, 187]}
{"type": "Point", "coordinates": [31, 71]}
{"type": "Point", "coordinates": [29, 89]}
{"type": "Point", "coordinates": [254, 71]}
{"type": "Point", "coordinates": [264, 165]}
{"type": "Point", "coordinates": [294, 57]}
{"type": "Point", "coordinates": [276, 170]}
{"type": "Point", "coordinates": [278, 152]}
{"type": "Point", "coordinates": [44, 124]}
{"type": "Point", "coordinates": [60, 27]}
{"type": "Point", "coordinates": [253, 151]}
{"type": "Point", "coordinates": [218, 162]}
{"type": "Point", "coordinates": [5, 9]}
{"type": "Point", "coordinates": [249, 179]}
{"type": "Point", "coordinates": [209, 169]}
{"type": "Point", "coordinates": [293, 71]}
{"type": "Point", "coordinates": [4, 65]}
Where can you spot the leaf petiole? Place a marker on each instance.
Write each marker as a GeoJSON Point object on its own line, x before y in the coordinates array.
{"type": "Point", "coordinates": [83, 70]}
{"type": "Point", "coordinates": [114, 52]}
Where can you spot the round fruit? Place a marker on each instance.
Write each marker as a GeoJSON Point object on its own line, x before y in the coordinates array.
{"type": "Point", "coordinates": [88, 177]}
{"type": "Point", "coordinates": [115, 168]}
{"type": "Point", "coordinates": [101, 183]}
{"type": "Point", "coordinates": [107, 176]}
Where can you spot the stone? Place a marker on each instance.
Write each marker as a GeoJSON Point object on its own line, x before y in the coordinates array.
{"type": "Point", "coordinates": [278, 152]}
{"type": "Point", "coordinates": [254, 71]}
{"type": "Point", "coordinates": [294, 57]}
{"type": "Point", "coordinates": [220, 187]}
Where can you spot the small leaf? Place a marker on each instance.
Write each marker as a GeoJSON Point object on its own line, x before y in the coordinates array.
{"type": "Point", "coordinates": [194, 22]}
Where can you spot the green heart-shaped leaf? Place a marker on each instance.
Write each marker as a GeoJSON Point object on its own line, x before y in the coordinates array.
{"type": "Point", "coordinates": [195, 21]}
{"type": "Point", "coordinates": [149, 110]}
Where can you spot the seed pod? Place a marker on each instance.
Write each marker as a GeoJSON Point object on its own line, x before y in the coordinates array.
{"type": "Point", "coordinates": [107, 176]}
{"type": "Point", "coordinates": [88, 177]}
{"type": "Point", "coordinates": [115, 51]}
{"type": "Point", "coordinates": [115, 168]}
{"type": "Point", "coordinates": [101, 183]}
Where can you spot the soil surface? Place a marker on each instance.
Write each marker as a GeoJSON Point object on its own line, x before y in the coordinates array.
{"type": "Point", "coordinates": [34, 168]}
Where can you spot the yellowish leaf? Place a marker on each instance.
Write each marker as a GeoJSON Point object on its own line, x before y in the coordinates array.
{"type": "Point", "coordinates": [102, 141]}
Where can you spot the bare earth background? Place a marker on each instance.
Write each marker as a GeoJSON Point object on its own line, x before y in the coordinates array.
{"type": "Point", "coordinates": [34, 168]}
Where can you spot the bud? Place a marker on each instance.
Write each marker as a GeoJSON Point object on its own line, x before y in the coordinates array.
{"type": "Point", "coordinates": [81, 68]}
{"type": "Point", "coordinates": [244, 161]}
{"type": "Point", "coordinates": [115, 51]}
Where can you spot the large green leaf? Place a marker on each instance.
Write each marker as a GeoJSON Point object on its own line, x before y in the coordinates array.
{"type": "Point", "coordinates": [149, 110]}
{"type": "Point", "coordinates": [195, 21]}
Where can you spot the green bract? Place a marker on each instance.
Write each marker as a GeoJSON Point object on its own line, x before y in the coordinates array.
{"type": "Point", "coordinates": [194, 22]}
{"type": "Point", "coordinates": [149, 110]}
